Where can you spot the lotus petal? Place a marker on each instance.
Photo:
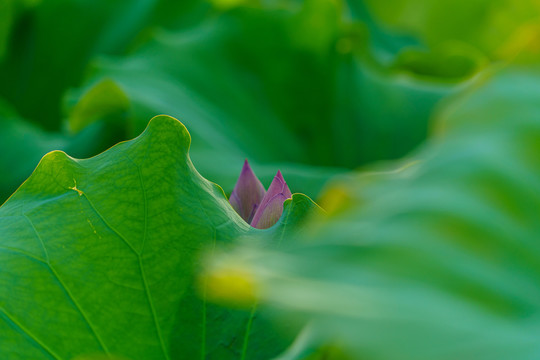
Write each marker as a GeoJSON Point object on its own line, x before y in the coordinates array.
{"type": "Point", "coordinates": [247, 194]}
{"type": "Point", "coordinates": [271, 206]}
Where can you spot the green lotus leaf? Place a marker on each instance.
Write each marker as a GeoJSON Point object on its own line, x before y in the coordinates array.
{"type": "Point", "coordinates": [99, 256]}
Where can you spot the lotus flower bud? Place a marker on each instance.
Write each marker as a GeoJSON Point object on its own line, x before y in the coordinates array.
{"type": "Point", "coordinates": [247, 194]}
{"type": "Point", "coordinates": [271, 207]}
{"type": "Point", "coordinates": [257, 207]}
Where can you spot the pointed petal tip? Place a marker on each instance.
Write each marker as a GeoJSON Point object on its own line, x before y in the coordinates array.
{"type": "Point", "coordinates": [246, 165]}
{"type": "Point", "coordinates": [285, 188]}
{"type": "Point", "coordinates": [246, 169]}
{"type": "Point", "coordinates": [279, 179]}
{"type": "Point", "coordinates": [271, 206]}
{"type": "Point", "coordinates": [247, 193]}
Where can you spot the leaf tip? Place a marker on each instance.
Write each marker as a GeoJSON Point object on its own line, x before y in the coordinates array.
{"type": "Point", "coordinates": [165, 123]}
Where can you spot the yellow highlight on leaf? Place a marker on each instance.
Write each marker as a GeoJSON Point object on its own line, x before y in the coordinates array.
{"type": "Point", "coordinates": [230, 284]}
{"type": "Point", "coordinates": [523, 44]}
{"type": "Point", "coordinates": [104, 99]}
{"type": "Point", "coordinates": [228, 4]}
{"type": "Point", "coordinates": [335, 199]}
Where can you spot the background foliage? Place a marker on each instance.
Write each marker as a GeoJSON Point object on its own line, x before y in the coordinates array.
{"type": "Point", "coordinates": [414, 123]}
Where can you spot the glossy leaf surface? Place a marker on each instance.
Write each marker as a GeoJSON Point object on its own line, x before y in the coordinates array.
{"type": "Point", "coordinates": [98, 256]}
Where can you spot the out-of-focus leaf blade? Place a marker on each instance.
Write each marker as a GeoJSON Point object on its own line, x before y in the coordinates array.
{"type": "Point", "coordinates": [500, 29]}
{"type": "Point", "coordinates": [45, 47]}
{"type": "Point", "coordinates": [438, 260]}
{"type": "Point", "coordinates": [22, 144]}
{"type": "Point", "coordinates": [271, 84]}
{"type": "Point", "coordinates": [51, 42]}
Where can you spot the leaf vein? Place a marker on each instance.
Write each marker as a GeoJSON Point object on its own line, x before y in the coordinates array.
{"type": "Point", "coordinates": [66, 289]}
{"type": "Point", "coordinates": [143, 275]}
{"type": "Point", "coordinates": [153, 310]}
{"type": "Point", "coordinates": [12, 320]}
{"type": "Point", "coordinates": [205, 302]}
{"type": "Point", "coordinates": [248, 331]}
{"type": "Point", "coordinates": [22, 253]}
{"type": "Point", "coordinates": [109, 225]}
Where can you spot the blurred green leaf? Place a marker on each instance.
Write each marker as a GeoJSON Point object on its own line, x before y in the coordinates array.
{"type": "Point", "coordinates": [48, 45]}
{"type": "Point", "coordinates": [436, 260]}
{"type": "Point", "coordinates": [491, 26]}
{"type": "Point", "coordinates": [51, 43]}
{"type": "Point", "coordinates": [289, 87]}
{"type": "Point", "coordinates": [22, 145]}
{"type": "Point", "coordinates": [104, 99]}
{"type": "Point", "coordinates": [98, 256]}
{"type": "Point", "coordinates": [10, 11]}
{"type": "Point", "coordinates": [300, 86]}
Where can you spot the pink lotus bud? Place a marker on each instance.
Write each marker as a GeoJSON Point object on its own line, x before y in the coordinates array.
{"type": "Point", "coordinates": [247, 194]}
{"type": "Point", "coordinates": [271, 206]}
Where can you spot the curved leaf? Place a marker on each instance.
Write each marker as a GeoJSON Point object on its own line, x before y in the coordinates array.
{"type": "Point", "coordinates": [98, 256]}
